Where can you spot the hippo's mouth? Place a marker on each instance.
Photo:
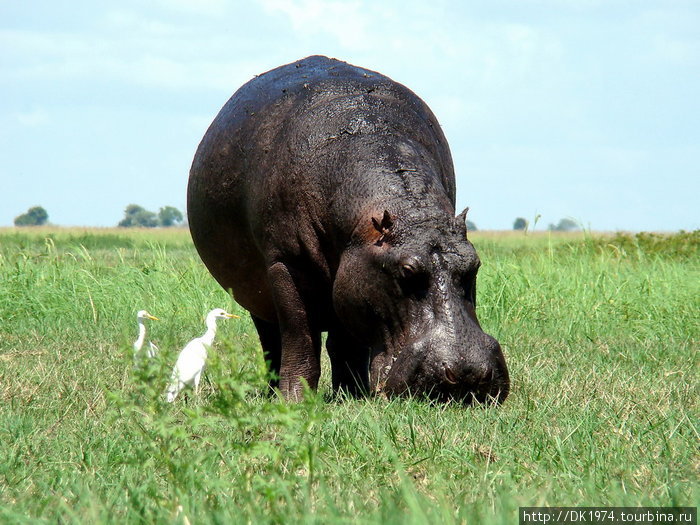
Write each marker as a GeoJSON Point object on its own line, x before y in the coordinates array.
{"type": "Point", "coordinates": [381, 364]}
{"type": "Point", "coordinates": [406, 372]}
{"type": "Point", "coordinates": [391, 371]}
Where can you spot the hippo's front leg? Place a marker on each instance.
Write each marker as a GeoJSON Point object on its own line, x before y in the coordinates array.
{"type": "Point", "coordinates": [301, 343]}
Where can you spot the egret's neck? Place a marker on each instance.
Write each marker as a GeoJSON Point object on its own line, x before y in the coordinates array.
{"type": "Point", "coordinates": [142, 335]}
{"type": "Point", "coordinates": [208, 337]}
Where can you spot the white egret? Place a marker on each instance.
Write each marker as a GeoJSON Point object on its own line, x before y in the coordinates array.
{"type": "Point", "coordinates": [192, 358]}
{"type": "Point", "coordinates": [141, 317]}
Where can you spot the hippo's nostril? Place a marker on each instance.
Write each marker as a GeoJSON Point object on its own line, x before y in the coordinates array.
{"type": "Point", "coordinates": [450, 376]}
{"type": "Point", "coordinates": [486, 376]}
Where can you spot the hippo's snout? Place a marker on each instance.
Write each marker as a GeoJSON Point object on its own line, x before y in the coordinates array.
{"type": "Point", "coordinates": [475, 374]}
{"type": "Point", "coordinates": [482, 378]}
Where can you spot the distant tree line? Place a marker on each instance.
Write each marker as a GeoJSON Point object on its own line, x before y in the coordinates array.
{"type": "Point", "coordinates": [35, 216]}
{"type": "Point", "coordinates": [138, 216]}
{"type": "Point", "coordinates": [564, 225]}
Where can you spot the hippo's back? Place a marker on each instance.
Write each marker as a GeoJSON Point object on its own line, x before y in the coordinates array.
{"type": "Point", "coordinates": [295, 111]}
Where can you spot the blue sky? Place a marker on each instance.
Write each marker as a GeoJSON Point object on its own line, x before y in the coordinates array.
{"type": "Point", "coordinates": [570, 108]}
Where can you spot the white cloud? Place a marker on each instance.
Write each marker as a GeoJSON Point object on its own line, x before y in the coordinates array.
{"type": "Point", "coordinates": [130, 24]}
{"type": "Point", "coordinates": [34, 118]}
{"type": "Point", "coordinates": [676, 51]}
{"type": "Point", "coordinates": [208, 7]}
{"type": "Point", "coordinates": [146, 59]}
{"type": "Point", "coordinates": [346, 22]}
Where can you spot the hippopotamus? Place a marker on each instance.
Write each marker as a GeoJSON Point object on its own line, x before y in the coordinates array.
{"type": "Point", "coordinates": [322, 196]}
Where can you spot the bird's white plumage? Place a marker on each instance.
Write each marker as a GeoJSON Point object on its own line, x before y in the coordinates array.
{"type": "Point", "coordinates": [152, 350]}
{"type": "Point", "coordinates": [190, 363]}
{"type": "Point", "coordinates": [141, 317]}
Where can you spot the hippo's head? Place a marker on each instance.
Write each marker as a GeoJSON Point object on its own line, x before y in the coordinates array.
{"type": "Point", "coordinates": [407, 289]}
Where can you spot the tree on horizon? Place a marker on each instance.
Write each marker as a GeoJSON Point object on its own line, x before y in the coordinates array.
{"type": "Point", "coordinates": [520, 224]}
{"type": "Point", "coordinates": [565, 225]}
{"type": "Point", "coordinates": [169, 216]}
{"type": "Point", "coordinates": [35, 216]}
{"type": "Point", "coordinates": [137, 216]}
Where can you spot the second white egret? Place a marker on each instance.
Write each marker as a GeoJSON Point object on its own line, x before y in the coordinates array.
{"type": "Point", "coordinates": [141, 317]}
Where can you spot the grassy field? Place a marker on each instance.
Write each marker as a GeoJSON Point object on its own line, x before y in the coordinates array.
{"type": "Point", "coordinates": [601, 335]}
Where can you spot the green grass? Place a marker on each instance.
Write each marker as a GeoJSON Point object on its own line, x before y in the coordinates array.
{"type": "Point", "coordinates": [601, 334]}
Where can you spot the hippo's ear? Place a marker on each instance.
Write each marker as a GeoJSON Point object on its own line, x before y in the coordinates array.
{"type": "Point", "coordinates": [461, 220]}
{"type": "Point", "coordinates": [383, 227]}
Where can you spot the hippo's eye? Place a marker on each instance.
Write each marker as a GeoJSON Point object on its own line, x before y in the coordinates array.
{"type": "Point", "coordinates": [408, 270]}
{"type": "Point", "coordinates": [413, 280]}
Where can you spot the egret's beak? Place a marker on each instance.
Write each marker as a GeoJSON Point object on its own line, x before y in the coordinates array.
{"type": "Point", "coordinates": [233, 316]}
{"type": "Point", "coordinates": [153, 318]}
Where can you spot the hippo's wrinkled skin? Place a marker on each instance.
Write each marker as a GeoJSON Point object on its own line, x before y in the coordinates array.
{"type": "Point", "coordinates": [323, 196]}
